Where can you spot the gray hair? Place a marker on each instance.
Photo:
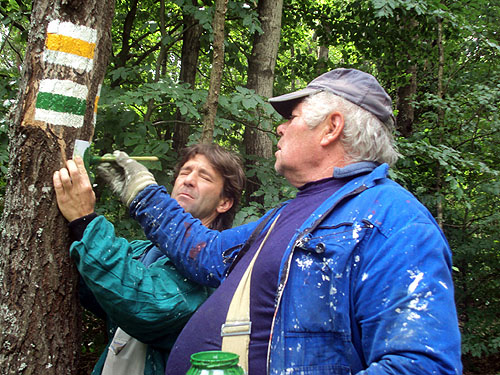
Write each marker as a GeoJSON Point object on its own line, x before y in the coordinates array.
{"type": "Point", "coordinates": [365, 137]}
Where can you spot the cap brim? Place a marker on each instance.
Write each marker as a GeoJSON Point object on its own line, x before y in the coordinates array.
{"type": "Point", "coordinates": [284, 104]}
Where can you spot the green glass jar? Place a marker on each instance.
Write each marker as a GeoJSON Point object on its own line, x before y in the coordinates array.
{"type": "Point", "coordinates": [215, 363]}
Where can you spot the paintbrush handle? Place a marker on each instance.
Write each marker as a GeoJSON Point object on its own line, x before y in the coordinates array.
{"type": "Point", "coordinates": [113, 158]}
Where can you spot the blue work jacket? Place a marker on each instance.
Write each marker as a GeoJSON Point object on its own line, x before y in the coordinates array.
{"type": "Point", "coordinates": [365, 284]}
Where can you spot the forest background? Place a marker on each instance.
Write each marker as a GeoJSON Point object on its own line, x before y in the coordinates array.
{"type": "Point", "coordinates": [439, 61]}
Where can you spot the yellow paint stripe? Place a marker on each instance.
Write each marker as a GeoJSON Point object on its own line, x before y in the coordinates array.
{"type": "Point", "coordinates": [67, 44]}
{"type": "Point", "coordinates": [95, 103]}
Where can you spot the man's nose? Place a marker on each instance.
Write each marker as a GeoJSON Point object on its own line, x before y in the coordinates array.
{"type": "Point", "coordinates": [280, 130]}
{"type": "Point", "coordinates": [190, 179]}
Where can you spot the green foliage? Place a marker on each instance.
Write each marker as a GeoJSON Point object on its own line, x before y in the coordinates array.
{"type": "Point", "coordinates": [450, 161]}
{"type": "Point", "coordinates": [13, 36]}
{"type": "Point", "coordinates": [274, 190]}
{"type": "Point", "coordinates": [456, 165]}
{"type": "Point", "coordinates": [386, 8]}
{"type": "Point", "coordinates": [477, 259]}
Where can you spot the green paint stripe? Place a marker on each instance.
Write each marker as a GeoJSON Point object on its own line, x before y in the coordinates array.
{"type": "Point", "coordinates": [61, 103]}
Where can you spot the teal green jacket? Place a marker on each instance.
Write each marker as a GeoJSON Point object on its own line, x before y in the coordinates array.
{"type": "Point", "coordinates": [148, 299]}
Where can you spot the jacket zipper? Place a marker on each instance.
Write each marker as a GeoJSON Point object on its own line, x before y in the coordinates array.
{"type": "Point", "coordinates": [284, 276]}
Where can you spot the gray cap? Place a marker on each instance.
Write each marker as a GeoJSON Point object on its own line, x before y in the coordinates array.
{"type": "Point", "coordinates": [354, 85]}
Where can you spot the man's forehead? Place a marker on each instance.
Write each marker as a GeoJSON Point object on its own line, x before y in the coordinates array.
{"type": "Point", "coordinates": [201, 162]}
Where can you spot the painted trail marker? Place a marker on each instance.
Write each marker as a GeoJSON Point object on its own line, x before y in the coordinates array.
{"type": "Point", "coordinates": [70, 45]}
{"type": "Point", "coordinates": [64, 102]}
{"type": "Point", "coordinates": [61, 102]}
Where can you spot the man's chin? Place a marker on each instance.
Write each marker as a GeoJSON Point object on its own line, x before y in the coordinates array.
{"type": "Point", "coordinates": [184, 201]}
{"type": "Point", "coordinates": [278, 169]}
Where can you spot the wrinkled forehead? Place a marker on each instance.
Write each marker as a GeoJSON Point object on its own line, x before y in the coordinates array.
{"type": "Point", "coordinates": [203, 164]}
{"type": "Point", "coordinates": [199, 161]}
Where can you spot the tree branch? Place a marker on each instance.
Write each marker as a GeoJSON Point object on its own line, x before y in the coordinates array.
{"type": "Point", "coordinates": [12, 22]}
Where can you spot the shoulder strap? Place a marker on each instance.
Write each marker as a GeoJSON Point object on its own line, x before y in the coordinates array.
{"type": "Point", "coordinates": [126, 355]}
{"type": "Point", "coordinates": [236, 330]}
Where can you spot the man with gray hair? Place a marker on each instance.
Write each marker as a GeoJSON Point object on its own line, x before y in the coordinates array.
{"type": "Point", "coordinates": [352, 276]}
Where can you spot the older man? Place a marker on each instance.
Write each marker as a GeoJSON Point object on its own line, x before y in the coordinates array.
{"type": "Point", "coordinates": [352, 276]}
{"type": "Point", "coordinates": [136, 285]}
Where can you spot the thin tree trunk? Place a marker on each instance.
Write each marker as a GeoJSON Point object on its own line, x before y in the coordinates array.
{"type": "Point", "coordinates": [440, 94]}
{"type": "Point", "coordinates": [124, 54]}
{"type": "Point", "coordinates": [39, 312]}
{"type": "Point", "coordinates": [210, 108]}
{"type": "Point", "coordinates": [406, 93]}
{"type": "Point", "coordinates": [323, 54]}
{"type": "Point", "coordinates": [261, 77]}
{"type": "Point", "coordinates": [189, 64]}
{"type": "Point", "coordinates": [406, 109]}
{"type": "Point", "coordinates": [160, 60]}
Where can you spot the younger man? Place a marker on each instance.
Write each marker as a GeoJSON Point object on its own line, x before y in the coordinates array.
{"type": "Point", "coordinates": [137, 287]}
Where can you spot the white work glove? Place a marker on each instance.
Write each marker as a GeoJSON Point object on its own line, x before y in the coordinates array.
{"type": "Point", "coordinates": [126, 176]}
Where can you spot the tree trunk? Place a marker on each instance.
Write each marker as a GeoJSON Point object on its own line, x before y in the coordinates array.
{"type": "Point", "coordinates": [210, 109]}
{"type": "Point", "coordinates": [260, 78]}
{"type": "Point", "coordinates": [440, 95]}
{"type": "Point", "coordinates": [67, 52]}
{"type": "Point", "coordinates": [323, 54]}
{"type": "Point", "coordinates": [189, 65]}
{"type": "Point", "coordinates": [406, 93]}
{"type": "Point", "coordinates": [124, 54]}
{"type": "Point", "coordinates": [406, 110]}
{"type": "Point", "coordinates": [160, 60]}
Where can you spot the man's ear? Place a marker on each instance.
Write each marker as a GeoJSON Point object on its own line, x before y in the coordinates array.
{"type": "Point", "coordinates": [333, 127]}
{"type": "Point", "coordinates": [224, 205]}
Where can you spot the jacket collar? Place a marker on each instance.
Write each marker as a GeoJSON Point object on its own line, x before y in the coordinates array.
{"type": "Point", "coordinates": [355, 169]}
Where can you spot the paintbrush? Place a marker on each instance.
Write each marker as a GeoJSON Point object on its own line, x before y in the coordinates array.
{"type": "Point", "coordinates": [82, 149]}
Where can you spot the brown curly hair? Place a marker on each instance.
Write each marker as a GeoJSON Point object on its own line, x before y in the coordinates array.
{"type": "Point", "coordinates": [230, 167]}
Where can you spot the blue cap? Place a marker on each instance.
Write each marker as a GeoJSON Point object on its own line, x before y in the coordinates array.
{"type": "Point", "coordinates": [354, 85]}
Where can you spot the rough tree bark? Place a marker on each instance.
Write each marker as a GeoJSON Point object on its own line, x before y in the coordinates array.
{"type": "Point", "coordinates": [261, 67]}
{"type": "Point", "coordinates": [67, 52]}
{"type": "Point", "coordinates": [210, 108]}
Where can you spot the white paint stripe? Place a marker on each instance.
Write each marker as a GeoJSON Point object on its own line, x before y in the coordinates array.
{"type": "Point", "coordinates": [64, 87]}
{"type": "Point", "coordinates": [68, 59]}
{"type": "Point", "coordinates": [58, 118]}
{"type": "Point", "coordinates": [72, 30]}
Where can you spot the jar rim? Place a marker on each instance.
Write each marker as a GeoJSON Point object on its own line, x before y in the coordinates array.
{"type": "Point", "coordinates": [214, 359]}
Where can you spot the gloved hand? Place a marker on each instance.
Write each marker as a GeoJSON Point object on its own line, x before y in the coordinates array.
{"type": "Point", "coordinates": [112, 174]}
{"type": "Point", "coordinates": [126, 177]}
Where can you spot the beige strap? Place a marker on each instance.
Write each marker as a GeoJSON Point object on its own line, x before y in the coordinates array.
{"type": "Point", "coordinates": [236, 330]}
{"type": "Point", "coordinates": [126, 355]}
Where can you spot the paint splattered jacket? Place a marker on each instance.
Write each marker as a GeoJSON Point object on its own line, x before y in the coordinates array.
{"type": "Point", "coordinates": [365, 284]}
{"type": "Point", "coordinates": [151, 303]}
